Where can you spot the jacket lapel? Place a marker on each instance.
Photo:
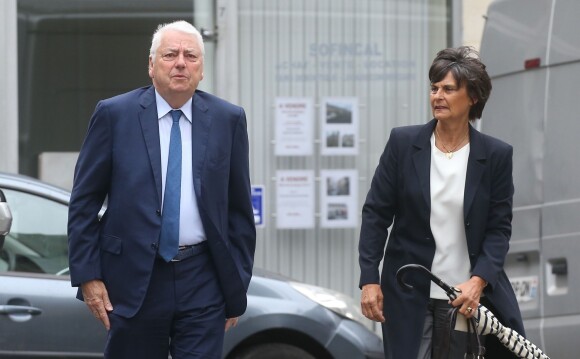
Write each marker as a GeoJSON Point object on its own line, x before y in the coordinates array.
{"type": "Point", "coordinates": [475, 168]}
{"type": "Point", "coordinates": [150, 127]}
{"type": "Point", "coordinates": [201, 124]}
{"type": "Point", "coordinates": [475, 164]}
{"type": "Point", "coordinates": [422, 159]}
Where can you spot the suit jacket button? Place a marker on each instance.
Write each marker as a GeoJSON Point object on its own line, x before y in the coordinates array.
{"type": "Point", "coordinates": [154, 246]}
{"type": "Point", "coordinates": [158, 212]}
{"type": "Point", "coordinates": [467, 224]}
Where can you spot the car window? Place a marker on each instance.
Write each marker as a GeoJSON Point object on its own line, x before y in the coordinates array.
{"type": "Point", "coordinates": [37, 242]}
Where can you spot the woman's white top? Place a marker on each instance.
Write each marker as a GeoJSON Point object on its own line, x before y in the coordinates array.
{"type": "Point", "coordinates": [451, 261]}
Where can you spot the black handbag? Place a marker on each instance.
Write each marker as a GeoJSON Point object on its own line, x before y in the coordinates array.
{"type": "Point", "coordinates": [474, 349]}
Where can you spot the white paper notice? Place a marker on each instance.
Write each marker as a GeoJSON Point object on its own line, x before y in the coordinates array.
{"type": "Point", "coordinates": [294, 126]}
{"type": "Point", "coordinates": [295, 199]}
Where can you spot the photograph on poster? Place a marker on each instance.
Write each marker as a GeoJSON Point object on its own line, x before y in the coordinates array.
{"type": "Point", "coordinates": [294, 199]}
{"type": "Point", "coordinates": [294, 126]}
{"type": "Point", "coordinates": [338, 111]}
{"type": "Point", "coordinates": [347, 140]}
{"type": "Point", "coordinates": [337, 211]}
{"type": "Point", "coordinates": [338, 198]}
{"type": "Point", "coordinates": [339, 125]}
{"type": "Point", "coordinates": [338, 186]}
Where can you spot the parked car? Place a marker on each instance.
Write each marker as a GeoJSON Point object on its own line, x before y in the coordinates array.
{"type": "Point", "coordinates": [40, 316]}
{"type": "Point", "coordinates": [5, 218]}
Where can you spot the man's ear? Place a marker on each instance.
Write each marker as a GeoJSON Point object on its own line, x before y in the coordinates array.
{"type": "Point", "coordinates": [150, 67]}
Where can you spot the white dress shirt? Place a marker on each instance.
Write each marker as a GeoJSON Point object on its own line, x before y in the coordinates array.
{"type": "Point", "coordinates": [190, 226]}
{"type": "Point", "coordinates": [451, 261]}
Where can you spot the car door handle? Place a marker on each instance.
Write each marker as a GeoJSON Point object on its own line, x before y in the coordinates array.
{"type": "Point", "coordinates": [19, 309]}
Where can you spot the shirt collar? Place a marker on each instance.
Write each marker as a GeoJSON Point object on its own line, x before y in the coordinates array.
{"type": "Point", "coordinates": [163, 107]}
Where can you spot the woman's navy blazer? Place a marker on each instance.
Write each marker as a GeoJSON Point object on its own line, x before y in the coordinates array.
{"type": "Point", "coordinates": [400, 196]}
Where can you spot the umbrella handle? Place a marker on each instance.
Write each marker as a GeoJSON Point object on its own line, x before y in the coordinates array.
{"type": "Point", "coordinates": [451, 292]}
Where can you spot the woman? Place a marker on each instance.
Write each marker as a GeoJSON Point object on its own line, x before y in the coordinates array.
{"type": "Point", "coordinates": [447, 191]}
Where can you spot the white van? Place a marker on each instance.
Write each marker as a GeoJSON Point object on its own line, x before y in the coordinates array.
{"type": "Point", "coordinates": [532, 51]}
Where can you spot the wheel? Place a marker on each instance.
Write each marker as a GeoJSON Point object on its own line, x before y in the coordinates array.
{"type": "Point", "coordinates": [273, 351]}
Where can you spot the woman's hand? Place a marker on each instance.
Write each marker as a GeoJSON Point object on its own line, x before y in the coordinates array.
{"type": "Point", "coordinates": [371, 302]}
{"type": "Point", "coordinates": [468, 299]}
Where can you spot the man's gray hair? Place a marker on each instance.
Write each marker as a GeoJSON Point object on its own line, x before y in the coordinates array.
{"type": "Point", "coordinates": [181, 26]}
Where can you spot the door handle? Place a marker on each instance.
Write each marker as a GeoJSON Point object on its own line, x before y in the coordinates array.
{"type": "Point", "coordinates": [19, 309]}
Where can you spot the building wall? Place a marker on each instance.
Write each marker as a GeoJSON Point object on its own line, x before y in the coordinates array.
{"type": "Point", "coordinates": [8, 87]}
{"type": "Point", "coordinates": [303, 49]}
{"type": "Point", "coordinates": [473, 21]}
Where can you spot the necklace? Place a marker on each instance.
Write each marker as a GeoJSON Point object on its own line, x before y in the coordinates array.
{"type": "Point", "coordinates": [448, 152]}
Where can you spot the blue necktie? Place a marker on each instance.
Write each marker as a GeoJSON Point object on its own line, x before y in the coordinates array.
{"type": "Point", "coordinates": [169, 239]}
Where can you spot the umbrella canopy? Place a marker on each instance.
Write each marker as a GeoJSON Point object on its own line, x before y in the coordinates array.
{"type": "Point", "coordinates": [486, 321]}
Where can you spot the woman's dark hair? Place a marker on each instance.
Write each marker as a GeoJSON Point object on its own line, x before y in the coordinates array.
{"type": "Point", "coordinates": [467, 69]}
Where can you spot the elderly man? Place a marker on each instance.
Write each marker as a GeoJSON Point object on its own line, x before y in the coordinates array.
{"type": "Point", "coordinates": [167, 267]}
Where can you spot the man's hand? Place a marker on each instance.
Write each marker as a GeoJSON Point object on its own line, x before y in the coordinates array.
{"type": "Point", "coordinates": [371, 302]}
{"type": "Point", "coordinates": [231, 322]}
{"type": "Point", "coordinates": [97, 299]}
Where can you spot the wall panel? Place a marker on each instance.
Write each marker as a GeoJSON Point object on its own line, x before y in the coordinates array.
{"type": "Point", "coordinates": [376, 50]}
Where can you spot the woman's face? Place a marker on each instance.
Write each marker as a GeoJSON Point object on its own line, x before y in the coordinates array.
{"type": "Point", "coordinates": [448, 101]}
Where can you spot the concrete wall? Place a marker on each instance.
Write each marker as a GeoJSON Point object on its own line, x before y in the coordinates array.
{"type": "Point", "coordinates": [8, 87]}
{"type": "Point", "coordinates": [473, 21]}
{"type": "Point", "coordinates": [293, 49]}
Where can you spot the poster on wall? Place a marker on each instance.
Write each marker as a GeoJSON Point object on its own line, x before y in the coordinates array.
{"type": "Point", "coordinates": [258, 205]}
{"type": "Point", "coordinates": [339, 198]}
{"type": "Point", "coordinates": [294, 126]}
{"type": "Point", "coordinates": [339, 131]}
{"type": "Point", "coordinates": [295, 199]}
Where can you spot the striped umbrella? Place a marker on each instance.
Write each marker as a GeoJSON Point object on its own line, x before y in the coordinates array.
{"type": "Point", "coordinates": [486, 321]}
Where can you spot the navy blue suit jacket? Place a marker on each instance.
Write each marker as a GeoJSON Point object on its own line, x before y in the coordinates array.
{"type": "Point", "coordinates": [400, 195]}
{"type": "Point", "coordinates": [121, 160]}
